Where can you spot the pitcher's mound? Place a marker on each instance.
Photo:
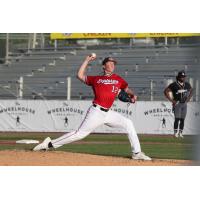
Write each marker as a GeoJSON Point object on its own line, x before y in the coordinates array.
{"type": "Point", "coordinates": [58, 158]}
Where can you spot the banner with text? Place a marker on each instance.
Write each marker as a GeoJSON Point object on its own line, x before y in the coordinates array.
{"type": "Point", "coordinates": [66, 116]}
{"type": "Point", "coordinates": [57, 36]}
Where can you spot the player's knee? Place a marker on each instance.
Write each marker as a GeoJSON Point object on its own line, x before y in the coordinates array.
{"type": "Point", "coordinates": [177, 120]}
{"type": "Point", "coordinates": [82, 135]}
{"type": "Point", "coordinates": [129, 123]}
{"type": "Point", "coordinates": [181, 123]}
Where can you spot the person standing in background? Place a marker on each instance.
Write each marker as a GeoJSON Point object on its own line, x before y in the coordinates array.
{"type": "Point", "coordinates": [181, 95]}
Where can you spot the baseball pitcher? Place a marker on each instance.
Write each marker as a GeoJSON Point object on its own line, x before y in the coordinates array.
{"type": "Point", "coordinates": [106, 88]}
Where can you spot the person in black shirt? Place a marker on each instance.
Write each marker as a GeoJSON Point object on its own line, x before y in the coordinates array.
{"type": "Point", "coordinates": [163, 122]}
{"type": "Point", "coordinates": [181, 95]}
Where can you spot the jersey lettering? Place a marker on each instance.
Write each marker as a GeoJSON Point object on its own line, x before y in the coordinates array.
{"type": "Point", "coordinates": [106, 88]}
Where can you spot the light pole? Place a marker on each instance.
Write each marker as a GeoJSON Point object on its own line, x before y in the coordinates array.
{"type": "Point", "coordinates": [151, 89]}
{"type": "Point", "coordinates": [191, 81]}
{"type": "Point", "coordinates": [29, 42]}
{"type": "Point", "coordinates": [68, 88]}
{"type": "Point", "coordinates": [20, 92]}
{"type": "Point", "coordinates": [197, 90]}
{"type": "Point", "coordinates": [7, 48]}
{"type": "Point", "coordinates": [34, 40]}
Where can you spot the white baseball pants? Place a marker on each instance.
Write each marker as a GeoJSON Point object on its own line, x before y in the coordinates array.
{"type": "Point", "coordinates": [96, 117]}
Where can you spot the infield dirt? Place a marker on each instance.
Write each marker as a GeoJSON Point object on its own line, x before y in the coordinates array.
{"type": "Point", "coordinates": [58, 158]}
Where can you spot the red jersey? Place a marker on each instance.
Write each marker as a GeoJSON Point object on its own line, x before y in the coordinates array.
{"type": "Point", "coordinates": [106, 88]}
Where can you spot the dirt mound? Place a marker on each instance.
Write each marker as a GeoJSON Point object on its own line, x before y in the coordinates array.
{"type": "Point", "coordinates": [58, 158]}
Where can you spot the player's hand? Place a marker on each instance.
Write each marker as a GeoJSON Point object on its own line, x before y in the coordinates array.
{"type": "Point", "coordinates": [90, 58]}
{"type": "Point", "coordinates": [187, 100]}
{"type": "Point", "coordinates": [134, 99]}
{"type": "Point", "coordinates": [174, 103]}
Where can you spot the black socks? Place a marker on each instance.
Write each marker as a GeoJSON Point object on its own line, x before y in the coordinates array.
{"type": "Point", "coordinates": [50, 145]}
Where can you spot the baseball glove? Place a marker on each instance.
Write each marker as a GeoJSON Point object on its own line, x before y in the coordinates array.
{"type": "Point", "coordinates": [124, 96]}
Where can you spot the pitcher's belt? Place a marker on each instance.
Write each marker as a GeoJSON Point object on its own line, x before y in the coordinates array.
{"type": "Point", "coordinates": [103, 109]}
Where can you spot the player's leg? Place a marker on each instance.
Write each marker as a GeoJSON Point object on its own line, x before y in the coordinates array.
{"type": "Point", "coordinates": [181, 127]}
{"type": "Point", "coordinates": [92, 120]}
{"type": "Point", "coordinates": [177, 115]}
{"type": "Point", "coordinates": [115, 119]}
{"type": "Point", "coordinates": [176, 123]}
{"type": "Point", "coordinates": [182, 119]}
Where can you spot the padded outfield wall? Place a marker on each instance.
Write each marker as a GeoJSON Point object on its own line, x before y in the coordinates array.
{"type": "Point", "coordinates": [64, 116]}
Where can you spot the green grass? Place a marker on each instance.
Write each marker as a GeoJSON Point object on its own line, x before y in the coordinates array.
{"type": "Point", "coordinates": [156, 146]}
{"type": "Point", "coordinates": [122, 150]}
{"type": "Point", "coordinates": [162, 151]}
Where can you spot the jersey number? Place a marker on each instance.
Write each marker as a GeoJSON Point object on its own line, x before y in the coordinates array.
{"type": "Point", "coordinates": [115, 89]}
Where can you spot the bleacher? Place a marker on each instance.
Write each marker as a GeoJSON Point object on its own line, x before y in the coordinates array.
{"type": "Point", "coordinates": [45, 71]}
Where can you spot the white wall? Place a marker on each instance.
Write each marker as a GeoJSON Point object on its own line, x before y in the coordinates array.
{"type": "Point", "coordinates": [65, 116]}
